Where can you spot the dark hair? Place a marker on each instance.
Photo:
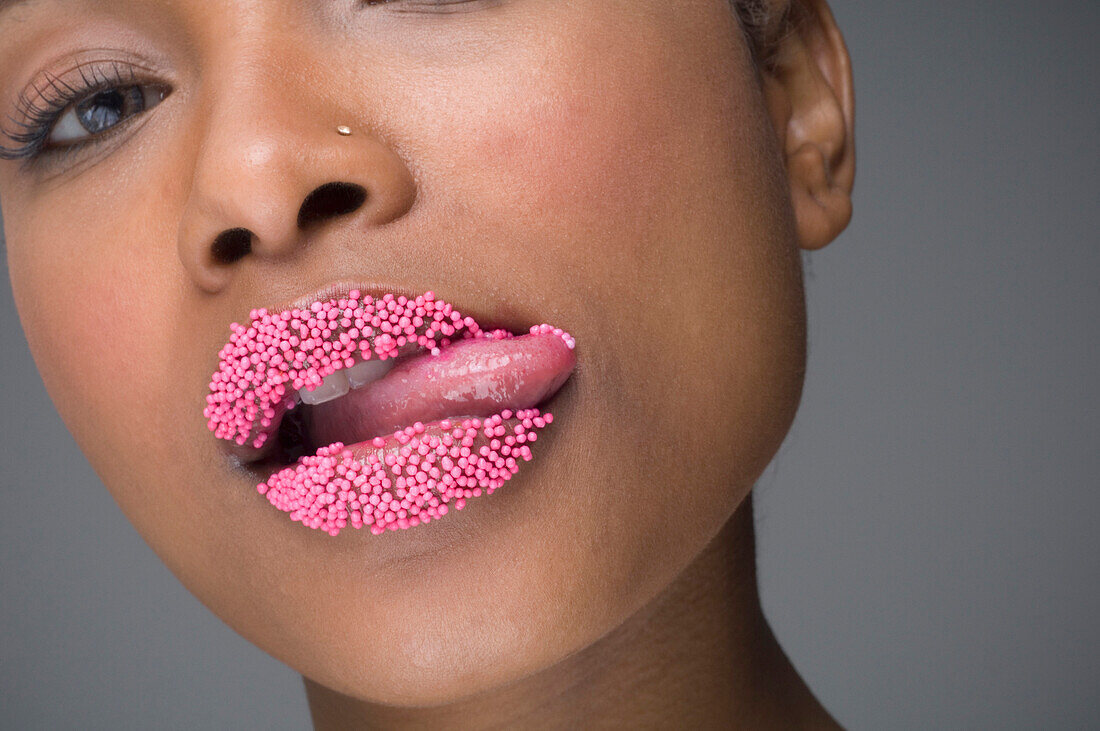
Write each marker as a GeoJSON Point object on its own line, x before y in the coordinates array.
{"type": "Point", "coordinates": [765, 26]}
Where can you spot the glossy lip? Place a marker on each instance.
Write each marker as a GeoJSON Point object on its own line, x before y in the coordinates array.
{"type": "Point", "coordinates": [259, 466]}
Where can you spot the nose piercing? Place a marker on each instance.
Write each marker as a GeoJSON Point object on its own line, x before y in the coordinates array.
{"type": "Point", "coordinates": [344, 130]}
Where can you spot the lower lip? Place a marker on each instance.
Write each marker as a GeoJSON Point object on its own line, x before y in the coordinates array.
{"type": "Point", "coordinates": [409, 478]}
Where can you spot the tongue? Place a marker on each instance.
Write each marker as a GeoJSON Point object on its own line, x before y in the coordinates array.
{"type": "Point", "coordinates": [470, 377]}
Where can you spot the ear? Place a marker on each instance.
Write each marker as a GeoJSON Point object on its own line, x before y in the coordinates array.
{"type": "Point", "coordinates": [808, 91]}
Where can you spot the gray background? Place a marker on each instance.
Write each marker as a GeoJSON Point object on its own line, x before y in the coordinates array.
{"type": "Point", "coordinates": [928, 537]}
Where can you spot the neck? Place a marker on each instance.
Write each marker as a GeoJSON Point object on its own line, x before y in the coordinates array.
{"type": "Point", "coordinates": [699, 655]}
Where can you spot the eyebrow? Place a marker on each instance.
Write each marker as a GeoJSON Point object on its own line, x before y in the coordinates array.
{"type": "Point", "coordinates": [8, 4]}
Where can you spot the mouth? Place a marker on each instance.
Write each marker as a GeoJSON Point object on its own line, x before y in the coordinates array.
{"type": "Point", "coordinates": [381, 412]}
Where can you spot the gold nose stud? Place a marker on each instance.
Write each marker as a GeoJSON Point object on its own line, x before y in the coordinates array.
{"type": "Point", "coordinates": [344, 130]}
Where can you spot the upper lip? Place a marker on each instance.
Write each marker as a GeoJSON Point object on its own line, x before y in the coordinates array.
{"type": "Point", "coordinates": [496, 316]}
{"type": "Point", "coordinates": [500, 317]}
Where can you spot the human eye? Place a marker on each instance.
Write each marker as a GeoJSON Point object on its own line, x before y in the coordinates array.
{"type": "Point", "coordinates": [61, 114]}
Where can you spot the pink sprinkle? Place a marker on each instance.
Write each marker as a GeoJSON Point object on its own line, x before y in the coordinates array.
{"type": "Point", "coordinates": [266, 362]}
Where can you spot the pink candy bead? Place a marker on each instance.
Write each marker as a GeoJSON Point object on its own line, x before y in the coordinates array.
{"type": "Point", "coordinates": [267, 361]}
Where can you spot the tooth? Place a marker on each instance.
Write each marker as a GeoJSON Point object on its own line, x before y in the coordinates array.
{"type": "Point", "coordinates": [334, 386]}
{"type": "Point", "coordinates": [367, 371]}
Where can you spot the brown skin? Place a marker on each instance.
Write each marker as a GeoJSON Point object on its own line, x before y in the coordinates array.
{"type": "Point", "coordinates": [612, 167]}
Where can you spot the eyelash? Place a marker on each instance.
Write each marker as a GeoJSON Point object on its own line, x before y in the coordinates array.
{"type": "Point", "coordinates": [38, 111]}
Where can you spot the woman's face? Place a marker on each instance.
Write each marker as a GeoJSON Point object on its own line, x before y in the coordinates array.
{"type": "Point", "coordinates": [605, 166]}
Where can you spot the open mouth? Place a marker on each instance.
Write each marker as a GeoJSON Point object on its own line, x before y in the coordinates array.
{"type": "Point", "coordinates": [475, 377]}
{"type": "Point", "coordinates": [382, 412]}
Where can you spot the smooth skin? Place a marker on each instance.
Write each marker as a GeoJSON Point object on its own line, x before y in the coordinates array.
{"type": "Point", "coordinates": [612, 167]}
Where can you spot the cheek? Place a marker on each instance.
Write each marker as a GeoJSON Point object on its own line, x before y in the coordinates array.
{"type": "Point", "coordinates": [91, 292]}
{"type": "Point", "coordinates": [648, 180]}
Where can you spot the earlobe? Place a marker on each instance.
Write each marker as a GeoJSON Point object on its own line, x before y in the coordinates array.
{"type": "Point", "coordinates": [808, 92]}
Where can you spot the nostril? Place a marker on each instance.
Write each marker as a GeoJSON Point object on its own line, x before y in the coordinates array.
{"type": "Point", "coordinates": [231, 245]}
{"type": "Point", "coordinates": [330, 200]}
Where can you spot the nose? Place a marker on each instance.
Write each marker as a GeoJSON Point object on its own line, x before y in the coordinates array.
{"type": "Point", "coordinates": [268, 174]}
